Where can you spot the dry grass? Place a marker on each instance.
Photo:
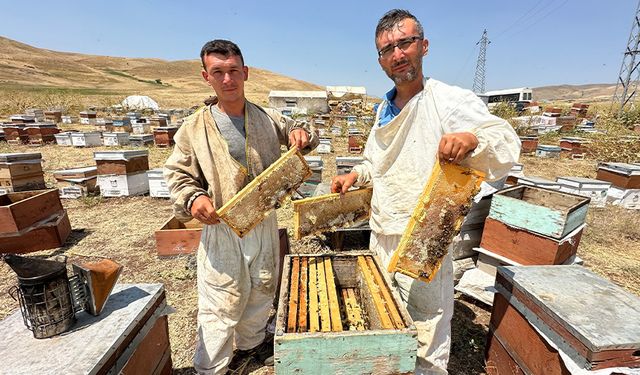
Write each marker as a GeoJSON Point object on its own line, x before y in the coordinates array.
{"type": "Point", "coordinates": [122, 229]}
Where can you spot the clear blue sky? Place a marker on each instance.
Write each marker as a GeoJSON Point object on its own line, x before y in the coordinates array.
{"type": "Point", "coordinates": [534, 43]}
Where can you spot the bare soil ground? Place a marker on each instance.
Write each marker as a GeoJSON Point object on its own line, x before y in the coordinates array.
{"type": "Point", "coordinates": [123, 229]}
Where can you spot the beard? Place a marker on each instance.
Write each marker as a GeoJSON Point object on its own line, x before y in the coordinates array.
{"type": "Point", "coordinates": [410, 75]}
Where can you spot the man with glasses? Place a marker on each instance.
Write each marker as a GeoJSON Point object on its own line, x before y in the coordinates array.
{"type": "Point", "coordinates": [420, 122]}
{"type": "Point", "coordinates": [219, 149]}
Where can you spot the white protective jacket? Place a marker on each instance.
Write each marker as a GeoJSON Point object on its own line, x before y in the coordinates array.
{"type": "Point", "coordinates": [399, 156]}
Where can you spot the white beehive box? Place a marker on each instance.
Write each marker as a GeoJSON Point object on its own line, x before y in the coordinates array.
{"type": "Point", "coordinates": [123, 185]}
{"type": "Point", "coordinates": [627, 198]}
{"type": "Point", "coordinates": [586, 187]}
{"type": "Point", "coordinates": [63, 139]}
{"type": "Point", "coordinates": [157, 185]}
{"type": "Point", "coordinates": [88, 139]}
{"type": "Point", "coordinates": [115, 139]}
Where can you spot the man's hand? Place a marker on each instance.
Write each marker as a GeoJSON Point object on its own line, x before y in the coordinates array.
{"type": "Point", "coordinates": [298, 138]}
{"type": "Point", "coordinates": [203, 211]}
{"type": "Point", "coordinates": [455, 146]}
{"type": "Point", "coordinates": [342, 183]}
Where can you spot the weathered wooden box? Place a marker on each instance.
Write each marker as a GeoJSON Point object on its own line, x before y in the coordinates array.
{"type": "Point", "coordinates": [46, 234]}
{"type": "Point", "coordinates": [21, 172]}
{"type": "Point", "coordinates": [528, 248]}
{"type": "Point", "coordinates": [310, 185]}
{"type": "Point", "coordinates": [326, 213]}
{"type": "Point", "coordinates": [76, 182]}
{"type": "Point", "coordinates": [529, 144]}
{"type": "Point", "coordinates": [435, 221]}
{"type": "Point", "coordinates": [16, 134]}
{"type": "Point", "coordinates": [337, 315]}
{"type": "Point", "coordinates": [259, 197]}
{"type": "Point", "coordinates": [593, 321]}
{"type": "Point", "coordinates": [21, 210]}
{"type": "Point", "coordinates": [547, 212]}
{"type": "Point", "coordinates": [622, 175]}
{"type": "Point", "coordinates": [141, 128]}
{"type": "Point", "coordinates": [121, 162]}
{"type": "Point", "coordinates": [163, 135]}
{"type": "Point", "coordinates": [595, 190]}
{"type": "Point", "coordinates": [177, 238]}
{"type": "Point", "coordinates": [40, 133]}
{"type": "Point", "coordinates": [130, 336]}
{"type": "Point", "coordinates": [140, 140]}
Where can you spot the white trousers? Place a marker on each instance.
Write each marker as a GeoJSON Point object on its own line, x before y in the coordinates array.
{"type": "Point", "coordinates": [236, 287]}
{"type": "Point", "coordinates": [430, 305]}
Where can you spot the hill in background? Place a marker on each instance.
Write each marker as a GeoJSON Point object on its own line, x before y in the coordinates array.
{"type": "Point", "coordinates": [171, 83]}
{"type": "Point", "coordinates": [104, 80]}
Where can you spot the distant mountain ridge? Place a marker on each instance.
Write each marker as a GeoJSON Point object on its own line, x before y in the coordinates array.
{"type": "Point", "coordinates": [25, 66]}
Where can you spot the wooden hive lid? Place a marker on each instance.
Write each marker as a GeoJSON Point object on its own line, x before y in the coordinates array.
{"type": "Point", "coordinates": [119, 155]}
{"type": "Point", "coordinates": [20, 156]}
{"type": "Point", "coordinates": [600, 314]}
{"type": "Point", "coordinates": [621, 168]}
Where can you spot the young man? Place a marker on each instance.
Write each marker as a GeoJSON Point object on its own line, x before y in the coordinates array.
{"type": "Point", "coordinates": [419, 123]}
{"type": "Point", "coordinates": [218, 150]}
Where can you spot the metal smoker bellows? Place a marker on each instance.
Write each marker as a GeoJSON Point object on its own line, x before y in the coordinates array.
{"type": "Point", "coordinates": [49, 298]}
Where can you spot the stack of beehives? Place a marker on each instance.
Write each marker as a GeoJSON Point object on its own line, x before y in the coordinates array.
{"type": "Point", "coordinates": [625, 183]}
{"type": "Point", "coordinates": [122, 173]}
{"type": "Point", "coordinates": [557, 320]}
{"type": "Point", "coordinates": [527, 225]}
{"type": "Point", "coordinates": [21, 172]}
{"type": "Point", "coordinates": [76, 182]}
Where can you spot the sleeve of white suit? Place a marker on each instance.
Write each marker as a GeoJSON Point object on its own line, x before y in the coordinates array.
{"type": "Point", "coordinates": [498, 144]}
{"type": "Point", "coordinates": [364, 169]}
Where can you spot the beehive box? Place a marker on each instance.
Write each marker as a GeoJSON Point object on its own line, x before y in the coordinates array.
{"type": "Point", "coordinates": [595, 190]}
{"type": "Point", "coordinates": [63, 139]}
{"type": "Point", "coordinates": [436, 219]}
{"type": "Point", "coordinates": [121, 162]}
{"type": "Point", "coordinates": [46, 234]}
{"type": "Point", "coordinates": [40, 133]}
{"type": "Point", "coordinates": [21, 172]}
{"type": "Point", "coordinates": [548, 151]}
{"type": "Point", "coordinates": [539, 182]}
{"type": "Point", "coordinates": [327, 213]}
{"type": "Point", "coordinates": [21, 210]}
{"type": "Point", "coordinates": [593, 321]}
{"type": "Point", "coordinates": [260, 196]}
{"type": "Point", "coordinates": [177, 238]}
{"type": "Point", "coordinates": [622, 175]}
{"type": "Point", "coordinates": [627, 198]}
{"type": "Point", "coordinates": [76, 182]}
{"type": "Point", "coordinates": [528, 248]}
{"type": "Point", "coordinates": [529, 144]}
{"type": "Point", "coordinates": [547, 212]}
{"type": "Point", "coordinates": [337, 315]}
{"type": "Point", "coordinates": [130, 336]}
{"type": "Point", "coordinates": [163, 135]}
{"type": "Point", "coordinates": [140, 140]}
{"type": "Point", "coordinates": [123, 185]}
{"type": "Point", "coordinates": [115, 139]}
{"type": "Point", "coordinates": [158, 187]}
{"type": "Point", "coordinates": [86, 139]}
{"type": "Point", "coordinates": [141, 128]}
{"type": "Point", "coordinates": [310, 185]}
{"type": "Point", "coordinates": [345, 164]}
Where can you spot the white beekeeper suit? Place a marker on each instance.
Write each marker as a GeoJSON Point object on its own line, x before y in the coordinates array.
{"type": "Point", "coordinates": [398, 159]}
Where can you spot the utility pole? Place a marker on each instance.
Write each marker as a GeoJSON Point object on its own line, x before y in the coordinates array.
{"type": "Point", "coordinates": [478, 80]}
{"type": "Point", "coordinates": [626, 87]}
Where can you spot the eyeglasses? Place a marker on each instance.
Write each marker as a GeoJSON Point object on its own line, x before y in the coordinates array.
{"type": "Point", "coordinates": [403, 44]}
